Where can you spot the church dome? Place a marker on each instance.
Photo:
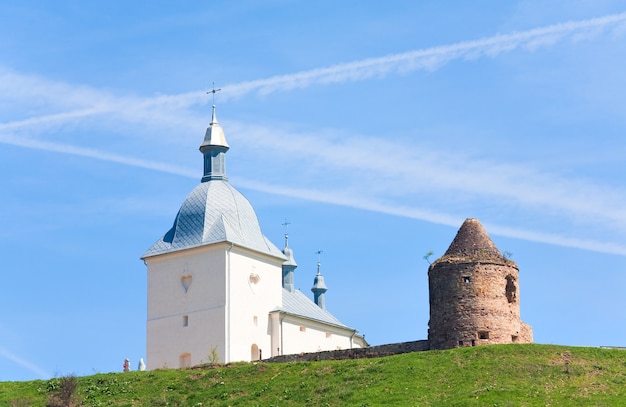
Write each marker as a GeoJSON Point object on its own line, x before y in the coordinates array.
{"type": "Point", "coordinates": [291, 261]}
{"type": "Point", "coordinates": [214, 211]}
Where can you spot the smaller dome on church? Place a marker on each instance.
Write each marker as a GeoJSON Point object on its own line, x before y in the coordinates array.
{"type": "Point", "coordinates": [291, 261]}
{"type": "Point", "coordinates": [214, 135]}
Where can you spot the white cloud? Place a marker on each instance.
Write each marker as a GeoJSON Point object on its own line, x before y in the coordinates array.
{"type": "Point", "coordinates": [402, 170]}
{"type": "Point", "coordinates": [40, 372]}
{"type": "Point", "coordinates": [475, 179]}
{"type": "Point", "coordinates": [93, 153]}
{"type": "Point", "coordinates": [340, 197]}
{"type": "Point", "coordinates": [436, 57]}
{"type": "Point", "coordinates": [87, 101]}
{"type": "Point", "coordinates": [375, 200]}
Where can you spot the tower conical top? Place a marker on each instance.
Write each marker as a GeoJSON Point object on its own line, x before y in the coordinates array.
{"type": "Point", "coordinates": [472, 241]}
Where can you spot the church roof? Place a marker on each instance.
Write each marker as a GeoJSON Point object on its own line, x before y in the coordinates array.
{"type": "Point", "coordinates": [318, 282]}
{"type": "Point", "coordinates": [291, 261]}
{"type": "Point", "coordinates": [472, 243]}
{"type": "Point", "coordinates": [297, 304]}
{"type": "Point", "coordinates": [214, 212]}
{"type": "Point", "coordinates": [214, 135]}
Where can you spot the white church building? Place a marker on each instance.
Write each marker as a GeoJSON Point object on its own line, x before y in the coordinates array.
{"type": "Point", "coordinates": [218, 288]}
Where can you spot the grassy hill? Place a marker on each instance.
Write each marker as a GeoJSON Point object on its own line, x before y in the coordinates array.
{"type": "Point", "coordinates": [498, 375]}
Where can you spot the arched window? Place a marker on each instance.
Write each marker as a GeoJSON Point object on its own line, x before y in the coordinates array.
{"type": "Point", "coordinates": [185, 360]}
{"type": "Point", "coordinates": [255, 353]}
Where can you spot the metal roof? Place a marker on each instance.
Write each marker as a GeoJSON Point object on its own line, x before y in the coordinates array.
{"type": "Point", "coordinates": [297, 304]}
{"type": "Point", "coordinates": [214, 135]}
{"type": "Point", "coordinates": [214, 212]}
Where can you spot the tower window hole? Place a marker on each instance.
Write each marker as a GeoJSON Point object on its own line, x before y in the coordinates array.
{"type": "Point", "coordinates": [510, 289]}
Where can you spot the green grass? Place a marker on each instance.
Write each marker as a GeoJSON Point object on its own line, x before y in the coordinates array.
{"type": "Point", "coordinates": [499, 375]}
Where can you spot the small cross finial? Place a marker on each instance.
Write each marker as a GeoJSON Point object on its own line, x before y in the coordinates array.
{"type": "Point", "coordinates": [285, 224]}
{"type": "Point", "coordinates": [319, 262]}
{"type": "Point", "coordinates": [213, 91]}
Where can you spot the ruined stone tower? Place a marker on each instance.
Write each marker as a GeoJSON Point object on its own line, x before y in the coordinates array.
{"type": "Point", "coordinates": [474, 294]}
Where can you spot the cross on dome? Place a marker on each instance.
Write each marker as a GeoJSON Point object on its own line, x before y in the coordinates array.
{"type": "Point", "coordinates": [213, 91]}
{"type": "Point", "coordinates": [319, 259]}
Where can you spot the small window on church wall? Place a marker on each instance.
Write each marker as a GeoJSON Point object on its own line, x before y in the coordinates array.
{"type": "Point", "coordinates": [483, 335]}
{"type": "Point", "coordinates": [467, 280]}
{"type": "Point", "coordinates": [185, 320]}
{"type": "Point", "coordinates": [302, 328]}
{"type": "Point", "coordinates": [255, 320]}
{"type": "Point", "coordinates": [514, 338]}
{"type": "Point", "coordinates": [329, 335]}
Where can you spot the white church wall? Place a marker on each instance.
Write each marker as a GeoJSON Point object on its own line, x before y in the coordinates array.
{"type": "Point", "coordinates": [359, 342]}
{"type": "Point", "coordinates": [302, 336]}
{"type": "Point", "coordinates": [168, 339]}
{"type": "Point", "coordinates": [190, 279]}
{"type": "Point", "coordinates": [255, 290]}
{"type": "Point", "coordinates": [186, 306]}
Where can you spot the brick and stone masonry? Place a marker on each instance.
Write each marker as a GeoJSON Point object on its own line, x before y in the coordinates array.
{"type": "Point", "coordinates": [474, 294]}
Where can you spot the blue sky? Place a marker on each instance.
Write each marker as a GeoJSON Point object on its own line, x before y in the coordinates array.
{"type": "Point", "coordinates": [375, 129]}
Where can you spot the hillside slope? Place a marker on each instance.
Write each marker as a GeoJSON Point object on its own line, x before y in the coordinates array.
{"type": "Point", "coordinates": [498, 375]}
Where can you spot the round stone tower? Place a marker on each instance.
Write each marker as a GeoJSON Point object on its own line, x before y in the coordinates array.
{"type": "Point", "coordinates": [474, 294]}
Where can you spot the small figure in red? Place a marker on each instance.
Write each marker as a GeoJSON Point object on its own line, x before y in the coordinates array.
{"type": "Point", "coordinates": [126, 365]}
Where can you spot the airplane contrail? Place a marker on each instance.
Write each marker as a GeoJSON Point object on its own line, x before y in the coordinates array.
{"type": "Point", "coordinates": [24, 363]}
{"type": "Point", "coordinates": [426, 59]}
{"type": "Point", "coordinates": [429, 59]}
{"type": "Point", "coordinates": [335, 198]}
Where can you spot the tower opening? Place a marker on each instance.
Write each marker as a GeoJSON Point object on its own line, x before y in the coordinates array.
{"type": "Point", "coordinates": [510, 289]}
